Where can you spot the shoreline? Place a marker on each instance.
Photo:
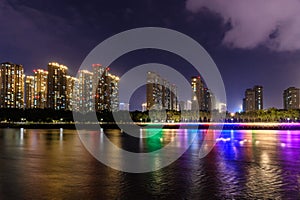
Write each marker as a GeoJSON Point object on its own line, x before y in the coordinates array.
{"type": "Point", "coordinates": [224, 126]}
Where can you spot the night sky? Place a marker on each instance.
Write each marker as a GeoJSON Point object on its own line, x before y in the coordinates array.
{"type": "Point", "coordinates": [252, 42]}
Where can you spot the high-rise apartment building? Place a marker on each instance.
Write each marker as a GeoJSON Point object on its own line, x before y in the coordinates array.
{"type": "Point", "coordinates": [98, 71]}
{"type": "Point", "coordinates": [160, 93]}
{"type": "Point", "coordinates": [72, 93]}
{"type": "Point", "coordinates": [56, 90]}
{"type": "Point", "coordinates": [124, 106]}
{"type": "Point", "coordinates": [57, 83]}
{"type": "Point", "coordinates": [40, 88]}
{"type": "Point", "coordinates": [174, 104]}
{"type": "Point", "coordinates": [11, 85]}
{"type": "Point", "coordinates": [291, 98]}
{"type": "Point", "coordinates": [105, 89]}
{"type": "Point", "coordinates": [144, 107]}
{"type": "Point", "coordinates": [182, 105]}
{"type": "Point", "coordinates": [253, 99]}
{"type": "Point", "coordinates": [29, 92]}
{"type": "Point", "coordinates": [209, 100]}
{"type": "Point", "coordinates": [202, 98]}
{"type": "Point", "coordinates": [85, 87]}
{"type": "Point", "coordinates": [197, 93]}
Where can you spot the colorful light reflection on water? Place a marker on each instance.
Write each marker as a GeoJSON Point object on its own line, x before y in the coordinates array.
{"type": "Point", "coordinates": [244, 164]}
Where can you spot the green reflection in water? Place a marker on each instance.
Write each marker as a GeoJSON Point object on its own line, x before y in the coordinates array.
{"type": "Point", "coordinates": [154, 138]}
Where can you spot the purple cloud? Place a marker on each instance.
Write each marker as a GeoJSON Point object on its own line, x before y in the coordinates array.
{"type": "Point", "coordinates": [272, 23]}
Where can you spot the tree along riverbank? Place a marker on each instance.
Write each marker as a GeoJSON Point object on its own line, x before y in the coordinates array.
{"type": "Point", "coordinates": [66, 116]}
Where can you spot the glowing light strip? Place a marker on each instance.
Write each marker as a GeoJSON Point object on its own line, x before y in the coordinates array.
{"type": "Point", "coordinates": [224, 124]}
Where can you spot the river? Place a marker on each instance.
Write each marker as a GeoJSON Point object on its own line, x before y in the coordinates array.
{"type": "Point", "coordinates": [244, 164]}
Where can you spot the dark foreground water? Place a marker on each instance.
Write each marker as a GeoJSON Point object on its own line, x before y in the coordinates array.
{"type": "Point", "coordinates": [53, 164]}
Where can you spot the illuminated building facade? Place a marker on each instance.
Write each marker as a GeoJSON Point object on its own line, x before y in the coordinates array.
{"type": "Point", "coordinates": [97, 70]}
{"type": "Point", "coordinates": [291, 98]}
{"type": "Point", "coordinates": [40, 88]}
{"type": "Point", "coordinates": [253, 99]}
{"type": "Point", "coordinates": [197, 93]}
{"type": "Point", "coordinates": [222, 107]}
{"type": "Point", "coordinates": [56, 90]}
{"type": "Point", "coordinates": [202, 98]}
{"type": "Point", "coordinates": [124, 106]}
{"type": "Point", "coordinates": [106, 89]}
{"type": "Point", "coordinates": [29, 92]}
{"type": "Point", "coordinates": [144, 107]}
{"type": "Point", "coordinates": [182, 105]}
{"type": "Point", "coordinates": [188, 105]}
{"type": "Point", "coordinates": [12, 85]}
{"type": "Point", "coordinates": [160, 93]}
{"type": "Point", "coordinates": [173, 104]}
{"type": "Point", "coordinates": [72, 93]}
{"type": "Point", "coordinates": [85, 87]}
{"type": "Point", "coordinates": [209, 100]}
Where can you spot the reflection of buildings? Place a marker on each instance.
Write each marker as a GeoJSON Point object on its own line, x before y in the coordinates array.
{"type": "Point", "coordinates": [56, 90]}
{"type": "Point", "coordinates": [291, 98]}
{"type": "Point", "coordinates": [253, 99]}
{"type": "Point", "coordinates": [12, 85]}
{"type": "Point", "coordinates": [160, 93]}
{"type": "Point", "coordinates": [202, 98]}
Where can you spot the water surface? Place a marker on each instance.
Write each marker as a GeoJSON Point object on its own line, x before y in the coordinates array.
{"type": "Point", "coordinates": [53, 164]}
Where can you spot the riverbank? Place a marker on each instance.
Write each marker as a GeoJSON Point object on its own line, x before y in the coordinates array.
{"type": "Point", "coordinates": [226, 126]}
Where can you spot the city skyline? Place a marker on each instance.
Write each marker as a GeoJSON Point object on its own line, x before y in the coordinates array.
{"type": "Point", "coordinates": [67, 33]}
{"type": "Point", "coordinates": [35, 92]}
{"type": "Point", "coordinates": [146, 99]}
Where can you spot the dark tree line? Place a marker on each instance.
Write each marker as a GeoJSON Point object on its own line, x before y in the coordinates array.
{"type": "Point", "coordinates": [50, 115]}
{"type": "Point", "coordinates": [268, 115]}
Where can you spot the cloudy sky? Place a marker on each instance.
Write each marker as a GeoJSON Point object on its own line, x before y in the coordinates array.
{"type": "Point", "coordinates": [252, 42]}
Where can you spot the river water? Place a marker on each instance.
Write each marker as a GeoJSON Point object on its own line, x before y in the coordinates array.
{"type": "Point", "coordinates": [54, 164]}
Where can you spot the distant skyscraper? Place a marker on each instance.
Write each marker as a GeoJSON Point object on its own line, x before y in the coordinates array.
{"type": "Point", "coordinates": [202, 98]}
{"type": "Point", "coordinates": [105, 89]}
{"type": "Point", "coordinates": [29, 92]}
{"type": "Point", "coordinates": [174, 105]}
{"type": "Point", "coordinates": [291, 98]}
{"type": "Point", "coordinates": [124, 106]}
{"type": "Point", "coordinates": [114, 91]}
{"type": "Point", "coordinates": [160, 93]}
{"type": "Point", "coordinates": [209, 100]}
{"type": "Point", "coordinates": [188, 105]}
{"type": "Point", "coordinates": [56, 90]}
{"type": "Point", "coordinates": [86, 100]}
{"type": "Point", "coordinates": [182, 105]}
{"type": "Point", "coordinates": [253, 99]}
{"type": "Point", "coordinates": [98, 72]}
{"type": "Point", "coordinates": [144, 107]}
{"type": "Point", "coordinates": [40, 88]}
{"type": "Point", "coordinates": [72, 92]}
{"type": "Point", "coordinates": [222, 107]}
{"type": "Point", "coordinates": [11, 85]}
